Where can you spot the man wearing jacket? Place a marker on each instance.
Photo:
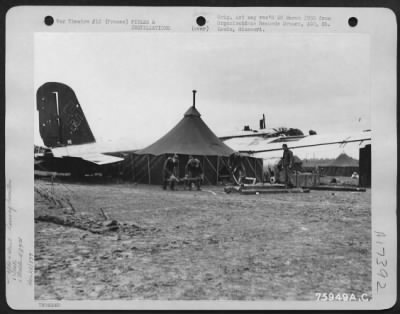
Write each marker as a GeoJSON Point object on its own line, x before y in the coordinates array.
{"type": "Point", "coordinates": [287, 164]}
{"type": "Point", "coordinates": [193, 172]}
{"type": "Point", "coordinates": [170, 172]}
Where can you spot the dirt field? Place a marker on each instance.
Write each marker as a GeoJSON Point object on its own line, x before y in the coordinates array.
{"type": "Point", "coordinates": [203, 245]}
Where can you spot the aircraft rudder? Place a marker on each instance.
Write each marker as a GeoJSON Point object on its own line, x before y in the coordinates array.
{"type": "Point", "coordinates": [61, 118]}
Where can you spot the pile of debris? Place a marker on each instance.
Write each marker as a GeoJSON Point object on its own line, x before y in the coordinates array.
{"type": "Point", "coordinates": [54, 200]}
{"type": "Point", "coordinates": [64, 213]}
{"type": "Point", "coordinates": [84, 222]}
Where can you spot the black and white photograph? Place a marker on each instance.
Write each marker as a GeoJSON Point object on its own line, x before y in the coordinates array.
{"type": "Point", "coordinates": [225, 165]}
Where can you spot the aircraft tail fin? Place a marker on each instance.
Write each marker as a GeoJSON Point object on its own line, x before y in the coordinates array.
{"type": "Point", "coordinates": [61, 118]}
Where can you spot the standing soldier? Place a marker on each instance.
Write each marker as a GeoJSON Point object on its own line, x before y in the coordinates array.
{"type": "Point", "coordinates": [193, 172]}
{"type": "Point", "coordinates": [287, 164]}
{"type": "Point", "coordinates": [170, 171]}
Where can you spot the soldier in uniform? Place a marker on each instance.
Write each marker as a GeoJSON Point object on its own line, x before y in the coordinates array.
{"type": "Point", "coordinates": [287, 164]}
{"type": "Point", "coordinates": [170, 172]}
{"type": "Point", "coordinates": [194, 171]}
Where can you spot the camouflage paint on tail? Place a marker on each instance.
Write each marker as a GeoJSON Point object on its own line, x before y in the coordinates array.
{"type": "Point", "coordinates": [61, 119]}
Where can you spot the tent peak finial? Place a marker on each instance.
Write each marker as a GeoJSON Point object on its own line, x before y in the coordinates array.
{"type": "Point", "coordinates": [194, 98]}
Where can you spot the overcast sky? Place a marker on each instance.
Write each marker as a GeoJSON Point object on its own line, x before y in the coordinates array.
{"type": "Point", "coordinates": [137, 86]}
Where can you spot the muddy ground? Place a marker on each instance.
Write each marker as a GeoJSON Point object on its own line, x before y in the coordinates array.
{"type": "Point", "coordinates": [204, 245]}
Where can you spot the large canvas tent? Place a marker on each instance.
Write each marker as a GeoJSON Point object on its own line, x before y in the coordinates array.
{"type": "Point", "coordinates": [343, 166]}
{"type": "Point", "coordinates": [191, 136]}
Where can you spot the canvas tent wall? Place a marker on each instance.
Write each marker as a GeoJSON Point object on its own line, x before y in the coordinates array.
{"type": "Point", "coordinates": [148, 168]}
{"type": "Point", "coordinates": [191, 136]}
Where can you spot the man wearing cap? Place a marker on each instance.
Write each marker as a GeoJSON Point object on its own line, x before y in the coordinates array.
{"type": "Point", "coordinates": [287, 164]}
{"type": "Point", "coordinates": [193, 172]}
{"type": "Point", "coordinates": [170, 171]}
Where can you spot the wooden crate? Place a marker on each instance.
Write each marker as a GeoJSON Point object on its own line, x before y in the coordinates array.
{"type": "Point", "coordinates": [305, 179]}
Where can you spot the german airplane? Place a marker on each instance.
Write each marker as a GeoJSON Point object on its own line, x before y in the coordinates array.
{"type": "Point", "coordinates": [70, 144]}
{"type": "Point", "coordinates": [267, 144]}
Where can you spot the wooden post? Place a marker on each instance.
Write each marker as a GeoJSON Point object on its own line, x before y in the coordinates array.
{"type": "Point", "coordinates": [52, 183]}
{"type": "Point", "coordinates": [148, 168]}
{"type": "Point", "coordinates": [104, 214]}
{"type": "Point", "coordinates": [133, 167]}
{"type": "Point", "coordinates": [217, 169]}
{"type": "Point", "coordinates": [255, 167]}
{"type": "Point", "coordinates": [178, 173]}
{"type": "Point", "coordinates": [204, 170]}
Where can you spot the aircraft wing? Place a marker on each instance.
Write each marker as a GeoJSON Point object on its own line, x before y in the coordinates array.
{"type": "Point", "coordinates": [322, 146]}
{"type": "Point", "coordinates": [83, 152]}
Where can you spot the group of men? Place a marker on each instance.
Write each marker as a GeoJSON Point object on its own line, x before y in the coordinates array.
{"type": "Point", "coordinates": [193, 172]}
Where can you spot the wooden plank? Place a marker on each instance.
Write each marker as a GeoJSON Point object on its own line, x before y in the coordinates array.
{"type": "Point", "coordinates": [274, 191]}
{"type": "Point", "coordinates": [337, 188]}
{"type": "Point", "coordinates": [262, 187]}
